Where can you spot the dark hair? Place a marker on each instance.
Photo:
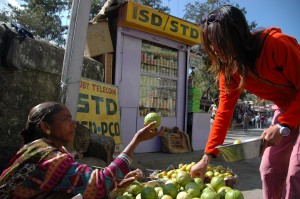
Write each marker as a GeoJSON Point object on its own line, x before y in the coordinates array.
{"type": "Point", "coordinates": [41, 112]}
{"type": "Point", "coordinates": [225, 30]}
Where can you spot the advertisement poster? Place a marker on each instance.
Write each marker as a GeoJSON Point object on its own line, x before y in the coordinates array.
{"type": "Point", "coordinates": [98, 108]}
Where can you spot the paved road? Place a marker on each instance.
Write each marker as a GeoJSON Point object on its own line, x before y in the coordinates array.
{"type": "Point", "coordinates": [247, 170]}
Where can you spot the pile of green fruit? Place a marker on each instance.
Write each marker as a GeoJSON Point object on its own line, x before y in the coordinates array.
{"type": "Point", "coordinates": [227, 174]}
{"type": "Point", "coordinates": [178, 184]}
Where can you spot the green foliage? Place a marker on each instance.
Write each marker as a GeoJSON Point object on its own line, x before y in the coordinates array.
{"type": "Point", "coordinates": [49, 19]}
{"type": "Point", "coordinates": [46, 19]}
{"type": "Point", "coordinates": [96, 7]}
{"type": "Point", "coordinates": [202, 77]}
{"type": "Point", "coordinates": [196, 12]}
{"type": "Point", "coordinates": [4, 16]}
{"type": "Point", "coordinates": [156, 4]}
{"type": "Point", "coordinates": [42, 18]}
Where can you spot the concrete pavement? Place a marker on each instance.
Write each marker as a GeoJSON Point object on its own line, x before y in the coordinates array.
{"type": "Point", "coordinates": [247, 170]}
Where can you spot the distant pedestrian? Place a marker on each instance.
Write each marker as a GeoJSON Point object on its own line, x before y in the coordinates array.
{"type": "Point", "coordinates": [246, 121]}
{"type": "Point", "coordinates": [257, 121]}
{"type": "Point", "coordinates": [262, 120]}
{"type": "Point", "coordinates": [232, 124]}
{"type": "Point", "coordinates": [213, 110]}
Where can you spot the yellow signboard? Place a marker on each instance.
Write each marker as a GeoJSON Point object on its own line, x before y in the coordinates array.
{"type": "Point", "coordinates": [98, 108]}
{"type": "Point", "coordinates": [150, 20]}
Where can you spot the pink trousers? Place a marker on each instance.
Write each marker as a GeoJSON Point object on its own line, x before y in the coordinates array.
{"type": "Point", "coordinates": [280, 167]}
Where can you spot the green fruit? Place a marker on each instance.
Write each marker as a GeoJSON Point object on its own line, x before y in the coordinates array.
{"type": "Point", "coordinates": [234, 194]}
{"type": "Point", "coordinates": [136, 187]}
{"type": "Point", "coordinates": [193, 189]}
{"type": "Point", "coordinates": [219, 168]}
{"type": "Point", "coordinates": [183, 195]}
{"type": "Point", "coordinates": [209, 195]}
{"type": "Point", "coordinates": [148, 193]}
{"type": "Point", "coordinates": [173, 180]}
{"type": "Point", "coordinates": [160, 194]}
{"type": "Point", "coordinates": [224, 188]}
{"type": "Point", "coordinates": [222, 191]}
{"type": "Point", "coordinates": [217, 182]}
{"type": "Point", "coordinates": [209, 174]}
{"type": "Point", "coordinates": [200, 183]}
{"type": "Point", "coordinates": [171, 190]}
{"type": "Point", "coordinates": [208, 187]}
{"type": "Point", "coordinates": [237, 142]}
{"type": "Point", "coordinates": [121, 197]}
{"type": "Point", "coordinates": [166, 197]}
{"type": "Point", "coordinates": [222, 175]}
{"type": "Point", "coordinates": [128, 195]}
{"type": "Point", "coordinates": [158, 189]}
{"type": "Point", "coordinates": [138, 196]}
{"type": "Point", "coordinates": [222, 194]}
{"type": "Point", "coordinates": [151, 117]}
{"type": "Point", "coordinates": [183, 178]}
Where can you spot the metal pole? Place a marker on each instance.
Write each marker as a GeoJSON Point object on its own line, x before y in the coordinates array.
{"type": "Point", "coordinates": [187, 88]}
{"type": "Point", "coordinates": [72, 65]}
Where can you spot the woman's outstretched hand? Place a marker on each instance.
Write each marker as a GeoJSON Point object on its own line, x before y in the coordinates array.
{"type": "Point", "coordinates": [148, 133]}
{"type": "Point", "coordinates": [200, 168]}
{"type": "Point", "coordinates": [131, 177]}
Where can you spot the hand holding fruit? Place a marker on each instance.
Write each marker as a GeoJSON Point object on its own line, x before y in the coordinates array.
{"type": "Point", "coordinates": [131, 177]}
{"type": "Point", "coordinates": [136, 173]}
{"type": "Point", "coordinates": [152, 117]}
{"type": "Point", "coordinates": [148, 132]}
{"type": "Point", "coordinates": [200, 168]}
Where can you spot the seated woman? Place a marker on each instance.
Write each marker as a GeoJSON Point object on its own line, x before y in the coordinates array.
{"type": "Point", "coordinates": [43, 168]}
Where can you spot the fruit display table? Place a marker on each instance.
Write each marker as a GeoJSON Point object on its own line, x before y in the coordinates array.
{"type": "Point", "coordinates": [176, 183]}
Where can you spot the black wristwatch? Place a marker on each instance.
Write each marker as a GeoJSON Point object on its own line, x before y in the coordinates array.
{"type": "Point", "coordinates": [283, 130]}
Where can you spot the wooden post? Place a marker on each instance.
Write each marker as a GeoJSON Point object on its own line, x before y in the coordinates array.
{"type": "Point", "coordinates": [73, 58]}
{"type": "Point", "coordinates": [108, 60]}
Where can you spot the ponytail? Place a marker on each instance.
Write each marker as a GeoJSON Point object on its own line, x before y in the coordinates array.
{"type": "Point", "coordinates": [42, 112]}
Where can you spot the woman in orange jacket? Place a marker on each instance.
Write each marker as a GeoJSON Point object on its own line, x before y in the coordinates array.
{"type": "Point", "coordinates": [267, 64]}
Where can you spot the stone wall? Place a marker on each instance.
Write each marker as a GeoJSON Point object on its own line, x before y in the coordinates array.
{"type": "Point", "coordinates": [34, 77]}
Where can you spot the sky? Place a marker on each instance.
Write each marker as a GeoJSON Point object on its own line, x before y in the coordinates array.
{"type": "Point", "coordinates": [266, 13]}
{"type": "Point", "coordinates": [12, 2]}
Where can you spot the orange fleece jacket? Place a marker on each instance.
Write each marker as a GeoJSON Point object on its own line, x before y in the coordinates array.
{"type": "Point", "coordinates": [279, 63]}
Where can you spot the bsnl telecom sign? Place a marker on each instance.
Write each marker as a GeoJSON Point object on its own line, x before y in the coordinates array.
{"type": "Point", "coordinates": [98, 108]}
{"type": "Point", "coordinates": [149, 20]}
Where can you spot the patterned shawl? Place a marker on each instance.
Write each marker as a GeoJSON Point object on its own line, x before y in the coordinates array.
{"type": "Point", "coordinates": [22, 165]}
